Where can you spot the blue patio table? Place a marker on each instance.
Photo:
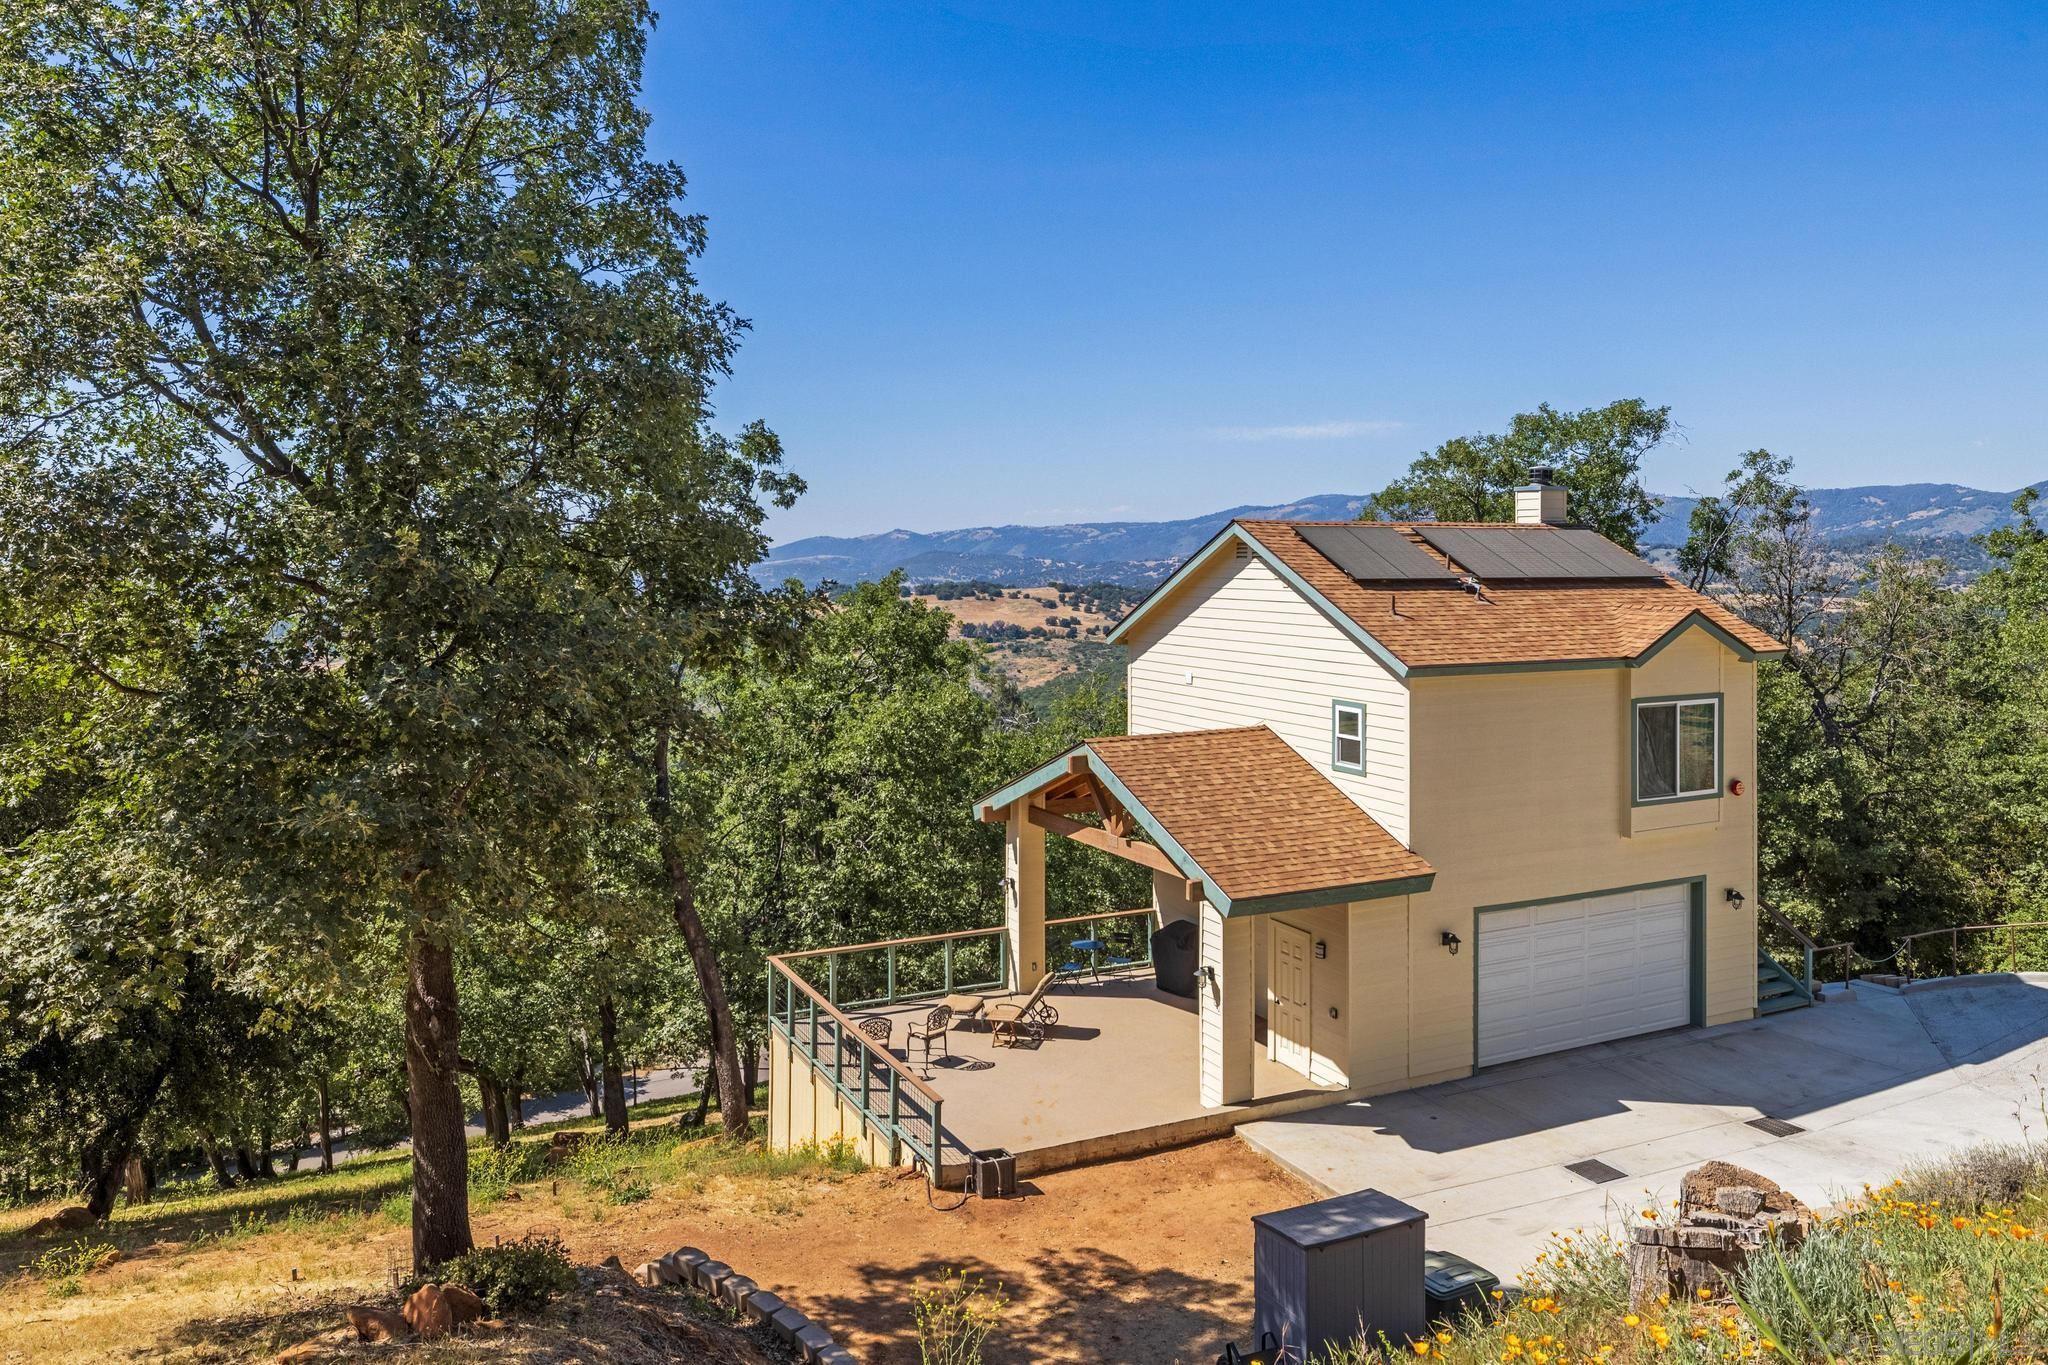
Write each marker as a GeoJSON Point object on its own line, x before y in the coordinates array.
{"type": "Point", "coordinates": [1090, 946]}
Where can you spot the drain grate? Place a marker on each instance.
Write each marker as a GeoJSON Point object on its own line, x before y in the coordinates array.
{"type": "Point", "coordinates": [1776, 1127]}
{"type": "Point", "coordinates": [1599, 1172]}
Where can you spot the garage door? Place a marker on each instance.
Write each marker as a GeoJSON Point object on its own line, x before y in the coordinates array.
{"type": "Point", "coordinates": [1568, 973]}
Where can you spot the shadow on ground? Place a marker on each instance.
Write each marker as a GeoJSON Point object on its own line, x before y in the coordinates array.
{"type": "Point", "coordinates": [1083, 1304]}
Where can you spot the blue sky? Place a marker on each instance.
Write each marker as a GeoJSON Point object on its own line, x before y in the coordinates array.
{"type": "Point", "coordinates": [1047, 261]}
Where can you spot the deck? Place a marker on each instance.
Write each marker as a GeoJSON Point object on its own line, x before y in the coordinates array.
{"type": "Point", "coordinates": [1116, 1075]}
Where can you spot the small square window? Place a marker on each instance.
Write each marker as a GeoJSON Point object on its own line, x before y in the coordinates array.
{"type": "Point", "coordinates": [1347, 737]}
{"type": "Point", "coordinates": [1678, 749]}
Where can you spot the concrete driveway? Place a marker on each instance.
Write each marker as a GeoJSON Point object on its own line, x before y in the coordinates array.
{"type": "Point", "coordinates": [1874, 1080]}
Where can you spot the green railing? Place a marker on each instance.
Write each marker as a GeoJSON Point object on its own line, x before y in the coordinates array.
{"type": "Point", "coordinates": [864, 975]}
{"type": "Point", "coordinates": [889, 1099]}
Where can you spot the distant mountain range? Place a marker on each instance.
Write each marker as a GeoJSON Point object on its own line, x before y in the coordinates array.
{"type": "Point", "coordinates": [1940, 516]}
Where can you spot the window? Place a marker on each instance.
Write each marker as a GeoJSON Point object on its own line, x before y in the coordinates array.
{"type": "Point", "coordinates": [1678, 748]}
{"type": "Point", "coordinates": [1347, 736]}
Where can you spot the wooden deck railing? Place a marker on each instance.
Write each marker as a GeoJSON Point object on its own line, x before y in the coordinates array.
{"type": "Point", "coordinates": [888, 1096]}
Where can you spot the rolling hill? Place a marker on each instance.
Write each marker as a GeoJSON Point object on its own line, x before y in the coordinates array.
{"type": "Point", "coordinates": [1940, 516]}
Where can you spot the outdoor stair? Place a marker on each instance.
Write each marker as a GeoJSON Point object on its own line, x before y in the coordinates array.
{"type": "Point", "coordinates": [1777, 989]}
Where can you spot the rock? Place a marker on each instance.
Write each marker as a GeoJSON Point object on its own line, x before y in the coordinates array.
{"type": "Point", "coordinates": [428, 1313]}
{"type": "Point", "coordinates": [837, 1355]}
{"type": "Point", "coordinates": [762, 1305]}
{"type": "Point", "coordinates": [1740, 1200]}
{"type": "Point", "coordinates": [314, 1348]}
{"type": "Point", "coordinates": [73, 1219]}
{"type": "Point", "coordinates": [813, 1341]}
{"type": "Point", "coordinates": [787, 1322]}
{"type": "Point", "coordinates": [654, 1274]}
{"type": "Point", "coordinates": [711, 1275]}
{"type": "Point", "coordinates": [562, 1145]}
{"type": "Point", "coordinates": [1698, 1190]}
{"type": "Point", "coordinates": [377, 1324]}
{"type": "Point", "coordinates": [463, 1304]}
{"type": "Point", "coordinates": [735, 1290]}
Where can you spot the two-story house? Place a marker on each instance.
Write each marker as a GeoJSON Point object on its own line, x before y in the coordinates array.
{"type": "Point", "coordinates": [1431, 796]}
{"type": "Point", "coordinates": [1438, 795]}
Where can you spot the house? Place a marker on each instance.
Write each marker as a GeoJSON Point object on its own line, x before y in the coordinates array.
{"type": "Point", "coordinates": [1436, 796]}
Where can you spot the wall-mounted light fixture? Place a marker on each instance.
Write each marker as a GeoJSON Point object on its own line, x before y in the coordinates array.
{"type": "Point", "coordinates": [1735, 786]}
{"type": "Point", "coordinates": [1209, 975]}
{"type": "Point", "coordinates": [1733, 897]}
{"type": "Point", "coordinates": [1322, 950]}
{"type": "Point", "coordinates": [1450, 941]}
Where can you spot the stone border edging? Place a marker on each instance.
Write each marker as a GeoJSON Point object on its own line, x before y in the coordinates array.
{"type": "Point", "coordinates": [716, 1280]}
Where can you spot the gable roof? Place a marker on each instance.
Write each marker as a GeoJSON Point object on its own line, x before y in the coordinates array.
{"type": "Point", "coordinates": [1420, 627]}
{"type": "Point", "coordinates": [1243, 813]}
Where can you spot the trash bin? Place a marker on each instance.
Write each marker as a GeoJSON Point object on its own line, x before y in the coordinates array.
{"type": "Point", "coordinates": [1454, 1286]}
{"type": "Point", "coordinates": [993, 1174]}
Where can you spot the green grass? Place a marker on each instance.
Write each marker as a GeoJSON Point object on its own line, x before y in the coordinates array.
{"type": "Point", "coordinates": [1899, 1275]}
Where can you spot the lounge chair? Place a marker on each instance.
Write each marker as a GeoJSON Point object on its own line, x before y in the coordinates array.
{"type": "Point", "coordinates": [1009, 1023]}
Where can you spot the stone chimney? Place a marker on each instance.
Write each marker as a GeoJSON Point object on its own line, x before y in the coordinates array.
{"type": "Point", "coordinates": [1541, 503]}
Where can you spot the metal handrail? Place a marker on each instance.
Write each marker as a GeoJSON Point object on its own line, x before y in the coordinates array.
{"type": "Point", "coordinates": [1955, 934]}
{"type": "Point", "coordinates": [842, 1030]}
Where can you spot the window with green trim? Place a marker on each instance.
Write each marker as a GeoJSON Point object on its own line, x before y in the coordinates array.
{"type": "Point", "coordinates": [1347, 736]}
{"type": "Point", "coordinates": [1678, 749]}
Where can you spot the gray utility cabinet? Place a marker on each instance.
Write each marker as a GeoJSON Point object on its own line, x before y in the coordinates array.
{"type": "Point", "coordinates": [1322, 1273]}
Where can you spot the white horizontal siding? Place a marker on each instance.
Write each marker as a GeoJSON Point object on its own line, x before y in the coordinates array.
{"type": "Point", "coordinates": [1261, 654]}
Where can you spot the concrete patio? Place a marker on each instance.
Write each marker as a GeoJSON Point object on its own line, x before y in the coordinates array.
{"type": "Point", "coordinates": [1875, 1079]}
{"type": "Point", "coordinates": [1116, 1075]}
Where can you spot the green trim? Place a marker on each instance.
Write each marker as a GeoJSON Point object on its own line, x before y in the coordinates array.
{"type": "Point", "coordinates": [1696, 946]}
{"type": "Point", "coordinates": [1030, 782]}
{"type": "Point", "coordinates": [1337, 705]}
{"type": "Point", "coordinates": [1693, 618]}
{"type": "Point", "coordinates": [1358, 634]}
{"type": "Point", "coordinates": [1334, 895]}
{"type": "Point", "coordinates": [1635, 706]}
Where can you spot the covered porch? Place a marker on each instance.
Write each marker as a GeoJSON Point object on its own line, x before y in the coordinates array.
{"type": "Point", "coordinates": [1288, 905]}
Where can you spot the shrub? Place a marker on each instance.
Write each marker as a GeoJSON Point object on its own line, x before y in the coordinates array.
{"type": "Point", "coordinates": [1985, 1176]}
{"type": "Point", "coordinates": [514, 1277]}
{"type": "Point", "coordinates": [954, 1319]}
{"type": "Point", "coordinates": [66, 1266]}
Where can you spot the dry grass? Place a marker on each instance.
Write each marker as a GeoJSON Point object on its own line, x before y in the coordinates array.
{"type": "Point", "coordinates": [209, 1275]}
{"type": "Point", "coordinates": [1028, 662]}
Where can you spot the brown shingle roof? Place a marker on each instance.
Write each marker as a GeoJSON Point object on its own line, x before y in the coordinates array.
{"type": "Point", "coordinates": [1441, 625]}
{"type": "Point", "coordinates": [1254, 814]}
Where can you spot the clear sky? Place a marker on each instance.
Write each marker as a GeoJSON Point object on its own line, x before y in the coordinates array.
{"type": "Point", "coordinates": [1048, 261]}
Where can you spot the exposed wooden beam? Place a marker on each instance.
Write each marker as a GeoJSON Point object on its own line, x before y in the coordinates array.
{"type": "Point", "coordinates": [1145, 855]}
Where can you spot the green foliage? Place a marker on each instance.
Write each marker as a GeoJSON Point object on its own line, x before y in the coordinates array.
{"type": "Point", "coordinates": [514, 1277]}
{"type": "Point", "coordinates": [494, 1170]}
{"type": "Point", "coordinates": [73, 1260]}
{"type": "Point", "coordinates": [1596, 454]}
{"type": "Point", "coordinates": [955, 1318]}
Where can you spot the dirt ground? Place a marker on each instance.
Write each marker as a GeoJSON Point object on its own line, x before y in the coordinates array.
{"type": "Point", "coordinates": [1144, 1260]}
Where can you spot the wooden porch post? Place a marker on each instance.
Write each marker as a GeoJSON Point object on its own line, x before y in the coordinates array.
{"type": "Point", "coordinates": [1023, 896]}
{"type": "Point", "coordinates": [1223, 993]}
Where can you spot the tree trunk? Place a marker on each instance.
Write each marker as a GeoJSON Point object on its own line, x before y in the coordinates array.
{"type": "Point", "coordinates": [608, 1059]}
{"type": "Point", "coordinates": [217, 1163]}
{"type": "Point", "coordinates": [135, 1181]}
{"type": "Point", "coordinates": [266, 1166]}
{"type": "Point", "coordinates": [493, 1097]}
{"type": "Point", "coordinates": [292, 1150]}
{"type": "Point", "coordinates": [592, 1089]}
{"type": "Point", "coordinates": [732, 1098]}
{"type": "Point", "coordinates": [440, 1151]}
{"type": "Point", "coordinates": [326, 1127]}
{"type": "Point", "coordinates": [245, 1160]}
{"type": "Point", "coordinates": [750, 1068]}
{"type": "Point", "coordinates": [103, 1160]}
{"type": "Point", "coordinates": [706, 1083]}
{"type": "Point", "coordinates": [515, 1112]}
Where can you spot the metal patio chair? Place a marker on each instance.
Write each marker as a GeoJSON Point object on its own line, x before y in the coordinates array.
{"type": "Point", "coordinates": [933, 1028]}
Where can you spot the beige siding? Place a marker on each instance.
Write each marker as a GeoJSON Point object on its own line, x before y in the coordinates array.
{"type": "Point", "coordinates": [804, 1108]}
{"type": "Point", "coordinates": [1237, 646]}
{"type": "Point", "coordinates": [1523, 793]}
{"type": "Point", "coordinates": [1329, 1042]}
{"type": "Point", "coordinates": [1377, 988]}
{"type": "Point", "coordinates": [1224, 1000]}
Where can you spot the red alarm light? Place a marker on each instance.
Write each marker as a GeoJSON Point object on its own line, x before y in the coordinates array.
{"type": "Point", "coordinates": [1735, 786]}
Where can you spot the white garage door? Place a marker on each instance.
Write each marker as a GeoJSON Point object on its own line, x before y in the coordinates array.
{"type": "Point", "coordinates": [1569, 973]}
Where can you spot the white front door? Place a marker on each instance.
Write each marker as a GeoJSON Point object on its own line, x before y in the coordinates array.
{"type": "Point", "coordinates": [1287, 1012]}
{"type": "Point", "coordinates": [1567, 973]}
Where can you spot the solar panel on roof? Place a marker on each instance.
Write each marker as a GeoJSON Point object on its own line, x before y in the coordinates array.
{"type": "Point", "coordinates": [1375, 552]}
{"type": "Point", "coordinates": [1508, 552]}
